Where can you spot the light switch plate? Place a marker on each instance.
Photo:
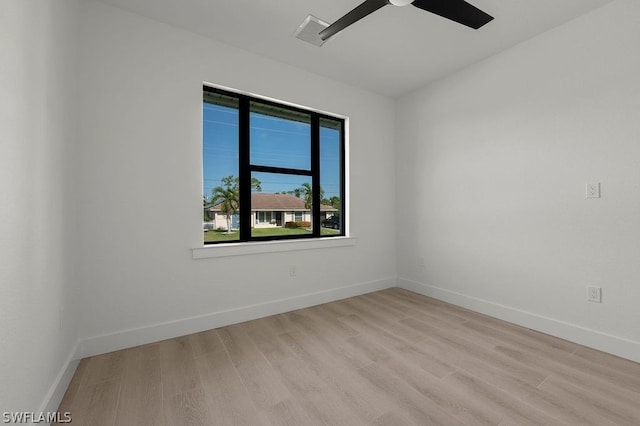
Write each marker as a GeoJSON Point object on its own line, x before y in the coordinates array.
{"type": "Point", "coordinates": [593, 190]}
{"type": "Point", "coordinates": [594, 294]}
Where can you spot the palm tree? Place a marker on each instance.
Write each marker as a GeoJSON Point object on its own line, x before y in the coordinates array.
{"type": "Point", "coordinates": [307, 191]}
{"type": "Point", "coordinates": [227, 197]}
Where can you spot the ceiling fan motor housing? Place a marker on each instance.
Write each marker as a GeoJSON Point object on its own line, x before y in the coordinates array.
{"type": "Point", "coordinates": [400, 2]}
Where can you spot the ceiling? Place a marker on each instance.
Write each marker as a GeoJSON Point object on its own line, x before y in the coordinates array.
{"type": "Point", "coordinates": [393, 51]}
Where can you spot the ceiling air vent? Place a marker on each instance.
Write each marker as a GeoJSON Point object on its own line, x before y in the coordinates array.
{"type": "Point", "coordinates": [310, 29]}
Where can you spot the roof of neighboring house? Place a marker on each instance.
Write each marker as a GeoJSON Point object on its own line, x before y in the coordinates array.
{"type": "Point", "coordinates": [278, 202]}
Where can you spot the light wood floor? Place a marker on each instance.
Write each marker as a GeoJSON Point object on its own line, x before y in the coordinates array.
{"type": "Point", "coordinates": [387, 358]}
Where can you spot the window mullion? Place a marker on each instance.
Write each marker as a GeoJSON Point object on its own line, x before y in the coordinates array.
{"type": "Point", "coordinates": [315, 169]}
{"type": "Point", "coordinates": [244, 169]}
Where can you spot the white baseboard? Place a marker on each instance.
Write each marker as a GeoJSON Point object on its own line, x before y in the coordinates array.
{"type": "Point", "coordinates": [615, 345]}
{"type": "Point", "coordinates": [138, 336]}
{"type": "Point", "coordinates": [59, 387]}
{"type": "Point", "coordinates": [133, 337]}
{"type": "Point", "coordinates": [153, 333]}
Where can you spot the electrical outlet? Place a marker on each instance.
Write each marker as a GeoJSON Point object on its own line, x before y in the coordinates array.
{"type": "Point", "coordinates": [593, 190]}
{"type": "Point", "coordinates": [293, 271]}
{"type": "Point", "coordinates": [594, 294]}
{"type": "Point", "coordinates": [421, 261]}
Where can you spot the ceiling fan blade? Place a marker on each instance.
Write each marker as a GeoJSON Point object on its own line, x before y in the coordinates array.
{"type": "Point", "coordinates": [364, 9]}
{"type": "Point", "coordinates": [457, 10]}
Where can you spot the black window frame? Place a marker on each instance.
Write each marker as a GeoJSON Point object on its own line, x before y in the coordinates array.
{"type": "Point", "coordinates": [245, 168]}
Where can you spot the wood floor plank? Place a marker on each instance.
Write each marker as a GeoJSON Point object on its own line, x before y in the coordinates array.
{"type": "Point", "coordinates": [501, 337]}
{"type": "Point", "coordinates": [514, 384]}
{"type": "Point", "coordinates": [456, 332]}
{"type": "Point", "coordinates": [74, 386]}
{"type": "Point", "coordinates": [395, 418]}
{"type": "Point", "coordinates": [326, 338]}
{"type": "Point", "coordinates": [368, 347]}
{"type": "Point", "coordinates": [391, 357]}
{"type": "Point", "coordinates": [433, 306]}
{"type": "Point", "coordinates": [205, 342]}
{"type": "Point", "coordinates": [596, 404]}
{"type": "Point", "coordinates": [500, 401]}
{"type": "Point", "coordinates": [419, 312]}
{"type": "Point", "coordinates": [322, 404]}
{"type": "Point", "coordinates": [489, 357]}
{"type": "Point", "coordinates": [470, 317]}
{"type": "Point", "coordinates": [96, 403]}
{"type": "Point", "coordinates": [104, 367]}
{"type": "Point", "coordinates": [457, 328]}
{"type": "Point", "coordinates": [421, 304]}
{"type": "Point", "coordinates": [227, 398]}
{"type": "Point", "coordinates": [301, 409]}
{"type": "Point", "coordinates": [368, 403]}
{"type": "Point", "coordinates": [569, 398]}
{"type": "Point", "coordinates": [576, 376]}
{"type": "Point", "coordinates": [187, 409]}
{"type": "Point", "coordinates": [622, 378]}
{"type": "Point", "coordinates": [386, 321]}
{"type": "Point", "coordinates": [291, 413]}
{"type": "Point", "coordinates": [454, 403]}
{"type": "Point", "coordinates": [279, 324]}
{"type": "Point", "coordinates": [531, 335]}
{"type": "Point", "coordinates": [264, 385]}
{"type": "Point", "coordinates": [179, 375]}
{"type": "Point", "coordinates": [329, 321]}
{"type": "Point", "coordinates": [456, 314]}
{"type": "Point", "coordinates": [392, 310]}
{"type": "Point", "coordinates": [481, 364]}
{"type": "Point", "coordinates": [601, 358]}
{"type": "Point", "coordinates": [409, 353]}
{"type": "Point", "coordinates": [371, 328]}
{"type": "Point", "coordinates": [141, 393]}
{"type": "Point", "coordinates": [419, 409]}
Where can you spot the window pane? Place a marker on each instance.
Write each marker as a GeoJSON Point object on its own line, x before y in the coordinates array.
{"type": "Point", "coordinates": [280, 205]}
{"type": "Point", "coordinates": [220, 167]}
{"type": "Point", "coordinates": [331, 176]}
{"type": "Point", "coordinates": [280, 137]}
{"type": "Point", "coordinates": [275, 148]}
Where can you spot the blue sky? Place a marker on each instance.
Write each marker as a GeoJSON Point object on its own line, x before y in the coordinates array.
{"type": "Point", "coordinates": [274, 142]}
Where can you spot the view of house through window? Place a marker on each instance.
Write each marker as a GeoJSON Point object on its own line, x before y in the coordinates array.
{"type": "Point", "coordinates": [270, 171]}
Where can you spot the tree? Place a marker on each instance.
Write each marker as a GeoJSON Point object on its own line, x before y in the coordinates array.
{"type": "Point", "coordinates": [256, 184]}
{"type": "Point", "coordinates": [306, 190]}
{"type": "Point", "coordinates": [227, 196]}
{"type": "Point", "coordinates": [296, 191]}
{"type": "Point", "coordinates": [335, 202]}
{"type": "Point", "coordinates": [206, 217]}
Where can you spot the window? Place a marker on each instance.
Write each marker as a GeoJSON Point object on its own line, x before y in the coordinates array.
{"type": "Point", "coordinates": [264, 217]}
{"type": "Point", "coordinates": [270, 171]}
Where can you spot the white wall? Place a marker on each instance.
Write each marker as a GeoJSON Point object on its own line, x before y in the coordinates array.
{"type": "Point", "coordinates": [37, 80]}
{"type": "Point", "coordinates": [492, 164]}
{"type": "Point", "coordinates": [140, 179]}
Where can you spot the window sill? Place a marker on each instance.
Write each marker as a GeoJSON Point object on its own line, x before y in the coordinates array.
{"type": "Point", "coordinates": [241, 249]}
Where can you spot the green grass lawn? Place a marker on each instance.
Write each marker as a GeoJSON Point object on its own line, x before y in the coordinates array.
{"type": "Point", "coordinates": [218, 236]}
